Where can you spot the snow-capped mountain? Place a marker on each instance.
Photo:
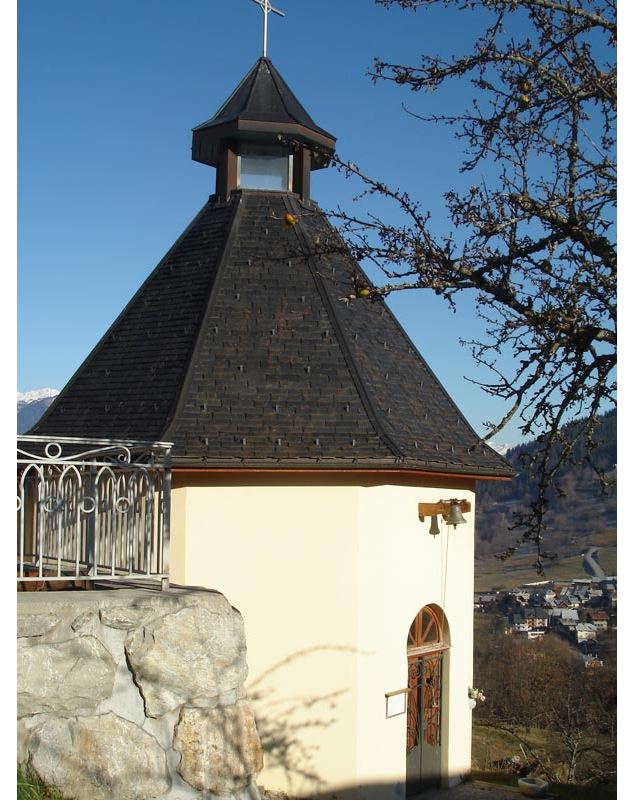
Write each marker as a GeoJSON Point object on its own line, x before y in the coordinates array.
{"type": "Point", "coordinates": [500, 448]}
{"type": "Point", "coordinates": [36, 394]}
{"type": "Point", "coordinates": [31, 406]}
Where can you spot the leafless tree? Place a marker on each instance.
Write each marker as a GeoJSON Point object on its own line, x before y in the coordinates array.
{"type": "Point", "coordinates": [533, 239]}
{"type": "Point", "coordinates": [544, 686]}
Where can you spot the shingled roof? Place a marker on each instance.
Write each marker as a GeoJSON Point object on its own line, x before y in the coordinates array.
{"type": "Point", "coordinates": [262, 103]}
{"type": "Point", "coordinates": [243, 348]}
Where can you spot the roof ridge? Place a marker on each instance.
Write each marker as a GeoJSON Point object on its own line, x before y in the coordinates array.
{"type": "Point", "coordinates": [59, 399]}
{"type": "Point", "coordinates": [432, 375]}
{"type": "Point", "coordinates": [254, 73]}
{"type": "Point", "coordinates": [222, 260]}
{"type": "Point", "coordinates": [341, 340]}
{"type": "Point", "coordinates": [419, 357]}
{"type": "Point", "coordinates": [275, 79]}
{"type": "Point", "coordinates": [251, 75]}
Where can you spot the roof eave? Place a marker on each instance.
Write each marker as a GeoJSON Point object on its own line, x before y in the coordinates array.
{"type": "Point", "coordinates": [335, 464]}
{"type": "Point", "coordinates": [206, 138]}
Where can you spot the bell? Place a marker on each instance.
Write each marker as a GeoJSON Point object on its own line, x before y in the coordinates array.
{"type": "Point", "coordinates": [434, 526]}
{"type": "Point", "coordinates": [454, 517]}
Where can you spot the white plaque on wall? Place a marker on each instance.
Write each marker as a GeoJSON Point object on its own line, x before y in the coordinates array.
{"type": "Point", "coordinates": [396, 703]}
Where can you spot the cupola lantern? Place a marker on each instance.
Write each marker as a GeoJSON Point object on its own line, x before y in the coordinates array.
{"type": "Point", "coordinates": [262, 138]}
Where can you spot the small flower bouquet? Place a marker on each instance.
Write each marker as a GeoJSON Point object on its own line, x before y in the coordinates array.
{"type": "Point", "coordinates": [476, 694]}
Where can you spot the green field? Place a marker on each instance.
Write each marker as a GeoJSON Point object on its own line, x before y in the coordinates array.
{"type": "Point", "coordinates": [492, 573]}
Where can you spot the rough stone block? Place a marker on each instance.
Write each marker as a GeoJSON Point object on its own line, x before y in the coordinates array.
{"type": "Point", "coordinates": [22, 739]}
{"type": "Point", "coordinates": [126, 618]}
{"type": "Point", "coordinates": [220, 748]}
{"type": "Point", "coordinates": [36, 624]}
{"type": "Point", "coordinates": [99, 758]}
{"type": "Point", "coordinates": [196, 654]}
{"type": "Point", "coordinates": [66, 678]}
{"type": "Point", "coordinates": [84, 622]}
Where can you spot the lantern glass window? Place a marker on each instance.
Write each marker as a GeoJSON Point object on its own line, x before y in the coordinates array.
{"type": "Point", "coordinates": [264, 170]}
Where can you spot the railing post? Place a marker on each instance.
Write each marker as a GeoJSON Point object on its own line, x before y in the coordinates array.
{"type": "Point", "coordinates": [22, 512]}
{"type": "Point", "coordinates": [166, 503]}
{"type": "Point", "coordinates": [90, 523]}
{"type": "Point", "coordinates": [39, 541]}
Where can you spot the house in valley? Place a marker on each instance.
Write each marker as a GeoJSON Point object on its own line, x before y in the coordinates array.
{"type": "Point", "coordinates": [598, 618]}
{"type": "Point", "coordinates": [585, 631]}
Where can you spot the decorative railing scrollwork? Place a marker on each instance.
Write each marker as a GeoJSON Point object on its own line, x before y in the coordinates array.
{"type": "Point", "coordinates": [90, 508]}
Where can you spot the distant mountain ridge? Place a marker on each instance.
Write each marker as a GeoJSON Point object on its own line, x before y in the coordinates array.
{"type": "Point", "coordinates": [37, 394]}
{"type": "Point", "coordinates": [31, 406]}
{"type": "Point", "coordinates": [585, 516]}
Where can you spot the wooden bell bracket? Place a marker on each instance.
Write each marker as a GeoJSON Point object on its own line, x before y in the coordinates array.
{"type": "Point", "coordinates": [442, 507]}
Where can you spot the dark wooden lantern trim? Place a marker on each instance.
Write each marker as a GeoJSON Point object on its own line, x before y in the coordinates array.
{"type": "Point", "coordinates": [227, 171]}
{"type": "Point", "coordinates": [302, 173]}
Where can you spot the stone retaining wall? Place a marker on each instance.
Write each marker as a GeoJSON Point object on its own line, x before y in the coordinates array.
{"type": "Point", "coordinates": [134, 694]}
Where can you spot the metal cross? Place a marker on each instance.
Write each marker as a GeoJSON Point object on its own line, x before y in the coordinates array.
{"type": "Point", "coordinates": [266, 9]}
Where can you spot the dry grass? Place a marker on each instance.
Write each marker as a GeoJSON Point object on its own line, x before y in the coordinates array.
{"type": "Point", "coordinates": [563, 791]}
{"type": "Point", "coordinates": [491, 573]}
{"type": "Point", "coordinates": [491, 746]}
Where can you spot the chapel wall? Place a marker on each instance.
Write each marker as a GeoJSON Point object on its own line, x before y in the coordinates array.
{"type": "Point", "coordinates": [287, 556]}
{"type": "Point", "coordinates": [329, 579]}
{"type": "Point", "coordinates": [402, 569]}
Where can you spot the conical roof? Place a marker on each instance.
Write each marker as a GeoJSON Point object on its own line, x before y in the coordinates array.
{"type": "Point", "coordinates": [262, 106]}
{"type": "Point", "coordinates": [244, 349]}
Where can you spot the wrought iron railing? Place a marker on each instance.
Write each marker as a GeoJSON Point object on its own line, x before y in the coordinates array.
{"type": "Point", "coordinates": [93, 509]}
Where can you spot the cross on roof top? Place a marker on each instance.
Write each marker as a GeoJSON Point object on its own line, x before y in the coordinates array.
{"type": "Point", "coordinates": [266, 7]}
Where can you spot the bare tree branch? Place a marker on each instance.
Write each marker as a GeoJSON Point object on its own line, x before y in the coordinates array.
{"type": "Point", "coordinates": [533, 240]}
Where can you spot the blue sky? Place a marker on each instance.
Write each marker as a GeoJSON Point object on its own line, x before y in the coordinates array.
{"type": "Point", "coordinates": [108, 93]}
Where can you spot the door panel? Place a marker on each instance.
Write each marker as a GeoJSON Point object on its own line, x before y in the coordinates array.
{"type": "Point", "coordinates": [423, 746]}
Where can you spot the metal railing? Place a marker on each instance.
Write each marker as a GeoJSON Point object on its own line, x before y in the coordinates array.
{"type": "Point", "coordinates": [93, 508]}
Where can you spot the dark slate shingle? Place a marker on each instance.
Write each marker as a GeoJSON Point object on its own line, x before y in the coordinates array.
{"type": "Point", "coordinates": [240, 350]}
{"type": "Point", "coordinates": [263, 96]}
{"type": "Point", "coordinates": [128, 385]}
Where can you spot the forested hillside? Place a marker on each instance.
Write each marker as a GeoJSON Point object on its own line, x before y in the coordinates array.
{"type": "Point", "coordinates": [584, 516]}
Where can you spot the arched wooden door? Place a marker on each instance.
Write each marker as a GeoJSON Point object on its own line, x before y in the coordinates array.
{"type": "Point", "coordinates": [425, 691]}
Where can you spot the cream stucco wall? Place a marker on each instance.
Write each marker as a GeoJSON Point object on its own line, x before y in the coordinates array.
{"type": "Point", "coordinates": [402, 568]}
{"type": "Point", "coordinates": [328, 579]}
